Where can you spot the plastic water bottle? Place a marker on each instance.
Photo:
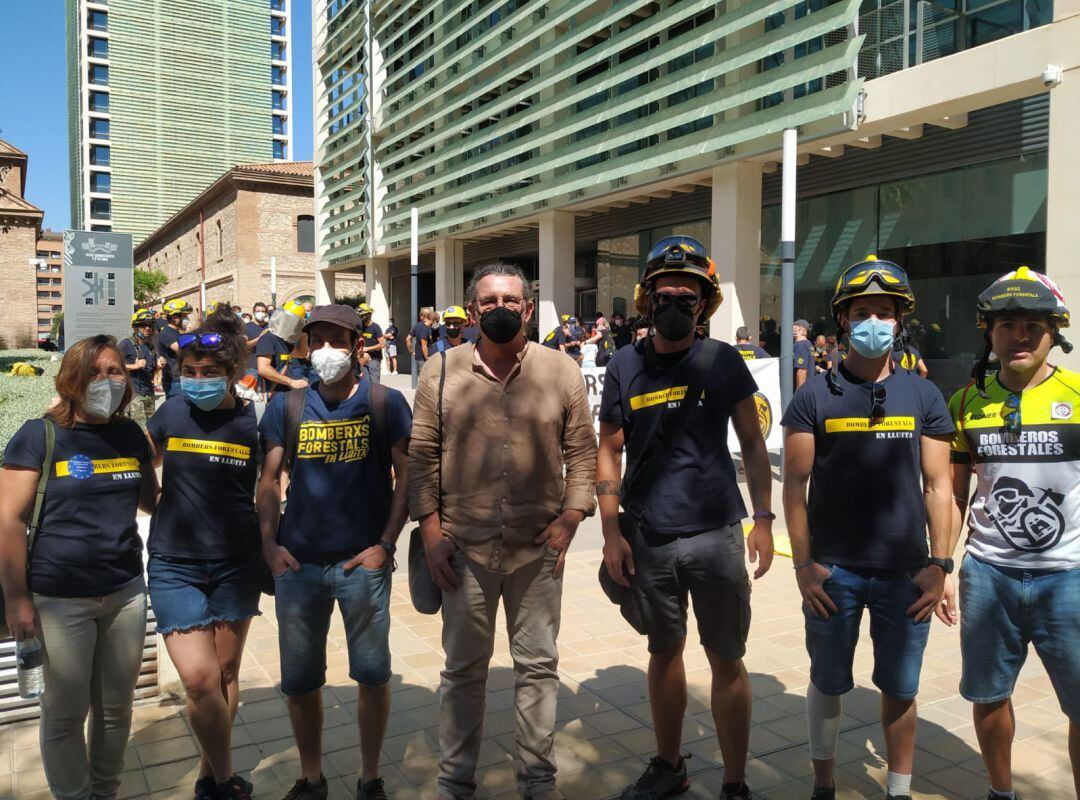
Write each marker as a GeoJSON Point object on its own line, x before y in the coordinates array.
{"type": "Point", "coordinates": [30, 664]}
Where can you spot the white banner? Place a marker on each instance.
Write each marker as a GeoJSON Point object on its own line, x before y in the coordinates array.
{"type": "Point", "coordinates": [766, 373]}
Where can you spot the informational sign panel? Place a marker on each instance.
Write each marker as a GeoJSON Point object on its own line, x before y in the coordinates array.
{"type": "Point", "coordinates": [766, 372]}
{"type": "Point", "coordinates": [99, 284]}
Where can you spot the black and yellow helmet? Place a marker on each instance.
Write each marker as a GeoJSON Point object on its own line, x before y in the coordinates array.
{"type": "Point", "coordinates": [679, 255]}
{"type": "Point", "coordinates": [873, 276]}
{"type": "Point", "coordinates": [142, 317]}
{"type": "Point", "coordinates": [1023, 290]}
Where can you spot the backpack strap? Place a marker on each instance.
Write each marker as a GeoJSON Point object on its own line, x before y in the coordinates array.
{"type": "Point", "coordinates": [378, 403]}
{"type": "Point", "coordinates": [39, 498]}
{"type": "Point", "coordinates": [295, 401]}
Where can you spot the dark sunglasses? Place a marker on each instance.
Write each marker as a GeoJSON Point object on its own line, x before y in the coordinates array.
{"type": "Point", "coordinates": [877, 409]}
{"type": "Point", "coordinates": [1012, 415]}
{"type": "Point", "coordinates": [211, 341]}
{"type": "Point", "coordinates": [686, 301]}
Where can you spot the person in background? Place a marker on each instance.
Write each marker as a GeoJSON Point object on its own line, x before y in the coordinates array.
{"type": "Point", "coordinates": [245, 317]}
{"type": "Point", "coordinates": [910, 359]}
{"type": "Point", "coordinates": [418, 342]}
{"type": "Point", "coordinates": [391, 335]}
{"type": "Point", "coordinates": [205, 555]}
{"type": "Point", "coordinates": [770, 336]}
{"type": "Point", "coordinates": [374, 344]}
{"type": "Point", "coordinates": [621, 333]}
{"type": "Point", "coordinates": [176, 313]}
{"type": "Point", "coordinates": [159, 321]}
{"type": "Point", "coordinates": [749, 352]}
{"type": "Point", "coordinates": [802, 354]}
{"type": "Point", "coordinates": [558, 336]}
{"type": "Point", "coordinates": [641, 328]}
{"type": "Point", "coordinates": [454, 320]}
{"type": "Point", "coordinates": [308, 308]}
{"type": "Point", "coordinates": [821, 354]}
{"type": "Point", "coordinates": [253, 331]}
{"type": "Point", "coordinates": [573, 336]}
{"type": "Point", "coordinates": [141, 362]}
{"type": "Point", "coordinates": [275, 349]}
{"type": "Point", "coordinates": [83, 596]}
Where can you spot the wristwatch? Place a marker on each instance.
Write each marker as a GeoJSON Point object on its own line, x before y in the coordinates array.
{"type": "Point", "coordinates": [389, 547]}
{"type": "Point", "coordinates": [764, 515]}
{"type": "Point", "coordinates": [946, 564]}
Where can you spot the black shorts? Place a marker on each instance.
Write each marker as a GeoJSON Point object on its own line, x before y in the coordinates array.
{"type": "Point", "coordinates": [708, 567]}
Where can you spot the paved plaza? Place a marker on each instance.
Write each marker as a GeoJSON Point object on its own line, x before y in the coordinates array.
{"type": "Point", "coordinates": [604, 737]}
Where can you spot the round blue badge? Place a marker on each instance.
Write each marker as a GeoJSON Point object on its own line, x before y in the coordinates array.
{"type": "Point", "coordinates": [80, 466]}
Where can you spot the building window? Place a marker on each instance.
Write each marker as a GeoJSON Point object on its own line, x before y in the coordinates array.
{"type": "Point", "coordinates": [98, 48]}
{"type": "Point", "coordinates": [279, 100]}
{"type": "Point", "coordinates": [220, 241]}
{"type": "Point", "coordinates": [277, 26]}
{"type": "Point", "coordinates": [99, 155]}
{"type": "Point", "coordinates": [281, 152]}
{"type": "Point", "coordinates": [99, 21]}
{"type": "Point", "coordinates": [99, 74]}
{"type": "Point", "coordinates": [277, 75]}
{"type": "Point", "coordinates": [99, 129]}
{"type": "Point", "coordinates": [100, 182]}
{"type": "Point", "coordinates": [277, 51]}
{"type": "Point", "coordinates": [100, 208]}
{"type": "Point", "coordinates": [305, 234]}
{"type": "Point", "coordinates": [99, 101]}
{"type": "Point", "coordinates": [277, 5]}
{"type": "Point", "coordinates": [280, 126]}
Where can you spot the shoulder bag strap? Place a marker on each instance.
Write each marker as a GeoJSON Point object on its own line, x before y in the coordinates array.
{"type": "Point", "coordinates": [39, 498]}
{"type": "Point", "coordinates": [294, 413]}
{"type": "Point", "coordinates": [379, 400]}
{"type": "Point", "coordinates": [442, 386]}
{"type": "Point", "coordinates": [665, 431]}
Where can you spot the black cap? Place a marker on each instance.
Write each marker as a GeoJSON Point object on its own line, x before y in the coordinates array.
{"type": "Point", "coordinates": [341, 315]}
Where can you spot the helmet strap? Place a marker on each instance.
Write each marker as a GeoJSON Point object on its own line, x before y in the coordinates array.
{"type": "Point", "coordinates": [978, 373]}
{"type": "Point", "coordinates": [1061, 342]}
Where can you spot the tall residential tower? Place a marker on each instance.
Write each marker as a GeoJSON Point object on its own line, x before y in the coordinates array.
{"type": "Point", "coordinates": [166, 96]}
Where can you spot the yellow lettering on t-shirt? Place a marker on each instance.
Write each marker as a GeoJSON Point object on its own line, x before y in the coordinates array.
{"type": "Point", "coordinates": [205, 447]}
{"type": "Point", "coordinates": [335, 441]}
{"type": "Point", "coordinates": [675, 393]}
{"type": "Point", "coordinates": [102, 466]}
{"type": "Point", "coordinates": [863, 424]}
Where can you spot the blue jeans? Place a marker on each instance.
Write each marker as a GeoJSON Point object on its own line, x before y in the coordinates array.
{"type": "Point", "coordinates": [1003, 609]}
{"type": "Point", "coordinates": [188, 594]}
{"type": "Point", "coordinates": [898, 640]}
{"type": "Point", "coordinates": [304, 602]}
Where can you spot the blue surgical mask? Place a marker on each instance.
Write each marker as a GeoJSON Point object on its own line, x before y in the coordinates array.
{"type": "Point", "coordinates": [205, 393]}
{"type": "Point", "coordinates": [873, 337]}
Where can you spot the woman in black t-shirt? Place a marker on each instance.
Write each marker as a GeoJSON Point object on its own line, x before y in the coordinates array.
{"type": "Point", "coordinates": [85, 598]}
{"type": "Point", "coordinates": [204, 544]}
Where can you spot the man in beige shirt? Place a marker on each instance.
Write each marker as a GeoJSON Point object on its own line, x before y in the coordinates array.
{"type": "Point", "coordinates": [497, 513]}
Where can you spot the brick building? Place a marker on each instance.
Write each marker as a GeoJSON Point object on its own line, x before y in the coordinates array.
{"type": "Point", "coordinates": [20, 222]}
{"type": "Point", "coordinates": [227, 235]}
{"type": "Point", "coordinates": [50, 280]}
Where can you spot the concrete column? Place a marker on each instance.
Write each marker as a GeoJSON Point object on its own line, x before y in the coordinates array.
{"type": "Point", "coordinates": [449, 273]}
{"type": "Point", "coordinates": [556, 268]}
{"type": "Point", "coordinates": [377, 279]}
{"type": "Point", "coordinates": [325, 281]}
{"type": "Point", "coordinates": [736, 246]}
{"type": "Point", "coordinates": [1063, 202]}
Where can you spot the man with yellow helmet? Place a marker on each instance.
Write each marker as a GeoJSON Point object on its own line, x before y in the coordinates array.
{"type": "Point", "coordinates": [374, 344]}
{"type": "Point", "coordinates": [872, 442]}
{"type": "Point", "coordinates": [275, 348]}
{"type": "Point", "coordinates": [141, 362]}
{"type": "Point", "coordinates": [668, 399]}
{"type": "Point", "coordinates": [175, 312]}
{"type": "Point", "coordinates": [1016, 431]}
{"type": "Point", "coordinates": [454, 321]}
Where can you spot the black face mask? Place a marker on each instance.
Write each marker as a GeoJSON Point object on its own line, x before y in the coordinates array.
{"type": "Point", "coordinates": [453, 331]}
{"type": "Point", "coordinates": [500, 324]}
{"type": "Point", "coordinates": [673, 322]}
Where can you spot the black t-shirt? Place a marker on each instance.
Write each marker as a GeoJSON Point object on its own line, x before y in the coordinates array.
{"type": "Point", "coordinates": [88, 543]}
{"type": "Point", "coordinates": [167, 337]}
{"type": "Point", "coordinates": [420, 332]}
{"type": "Point", "coordinates": [207, 506]}
{"type": "Point", "coordinates": [908, 360]}
{"type": "Point", "coordinates": [866, 506]}
{"type": "Point", "coordinates": [279, 352]}
{"type": "Point", "coordinates": [751, 352]}
{"type": "Point", "coordinates": [554, 339]}
{"type": "Point", "coordinates": [141, 379]}
{"type": "Point", "coordinates": [621, 334]}
{"type": "Point", "coordinates": [803, 356]}
{"type": "Point", "coordinates": [371, 338]}
{"type": "Point", "coordinates": [699, 489]}
{"type": "Point", "coordinates": [391, 334]}
{"type": "Point", "coordinates": [252, 330]}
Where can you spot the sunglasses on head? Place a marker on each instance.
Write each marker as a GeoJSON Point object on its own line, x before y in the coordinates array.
{"type": "Point", "coordinates": [210, 341]}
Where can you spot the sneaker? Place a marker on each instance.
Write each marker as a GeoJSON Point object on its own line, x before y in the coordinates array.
{"type": "Point", "coordinates": [235, 788]}
{"type": "Point", "coordinates": [736, 791]}
{"type": "Point", "coordinates": [897, 796]}
{"type": "Point", "coordinates": [372, 790]}
{"type": "Point", "coordinates": [992, 795]}
{"type": "Point", "coordinates": [659, 780]}
{"type": "Point", "coordinates": [821, 793]}
{"type": "Point", "coordinates": [304, 789]}
{"type": "Point", "coordinates": [206, 788]}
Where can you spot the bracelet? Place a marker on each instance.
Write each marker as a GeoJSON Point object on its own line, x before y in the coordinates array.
{"type": "Point", "coordinates": [764, 515]}
{"type": "Point", "coordinates": [804, 565]}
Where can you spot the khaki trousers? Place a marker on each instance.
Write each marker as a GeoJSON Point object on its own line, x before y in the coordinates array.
{"type": "Point", "coordinates": [532, 599]}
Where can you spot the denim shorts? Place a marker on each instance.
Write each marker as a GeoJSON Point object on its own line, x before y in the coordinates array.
{"type": "Point", "coordinates": [708, 568]}
{"type": "Point", "coordinates": [187, 594]}
{"type": "Point", "coordinates": [305, 600]}
{"type": "Point", "coordinates": [1002, 610]}
{"type": "Point", "coordinates": [898, 640]}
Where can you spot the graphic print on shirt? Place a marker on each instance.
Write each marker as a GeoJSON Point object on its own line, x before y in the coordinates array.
{"type": "Point", "coordinates": [764, 413]}
{"type": "Point", "coordinates": [1029, 517]}
{"type": "Point", "coordinates": [82, 467]}
{"type": "Point", "coordinates": [335, 441]}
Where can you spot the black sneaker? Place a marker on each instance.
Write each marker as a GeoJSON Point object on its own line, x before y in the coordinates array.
{"type": "Point", "coordinates": [659, 780]}
{"type": "Point", "coordinates": [736, 791]}
{"type": "Point", "coordinates": [372, 790]}
{"type": "Point", "coordinates": [206, 788]}
{"type": "Point", "coordinates": [304, 789]}
{"type": "Point", "coordinates": [992, 795]}
{"type": "Point", "coordinates": [897, 796]}
{"type": "Point", "coordinates": [821, 793]}
{"type": "Point", "coordinates": [235, 788]}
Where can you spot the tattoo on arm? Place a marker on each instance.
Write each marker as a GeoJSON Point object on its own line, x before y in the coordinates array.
{"type": "Point", "coordinates": [607, 487]}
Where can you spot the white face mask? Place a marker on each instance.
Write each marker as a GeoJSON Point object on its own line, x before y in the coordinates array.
{"type": "Point", "coordinates": [330, 364]}
{"type": "Point", "coordinates": [260, 316]}
{"type": "Point", "coordinates": [103, 397]}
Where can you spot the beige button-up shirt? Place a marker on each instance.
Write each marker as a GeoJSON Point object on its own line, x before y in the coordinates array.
{"type": "Point", "coordinates": [504, 450]}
